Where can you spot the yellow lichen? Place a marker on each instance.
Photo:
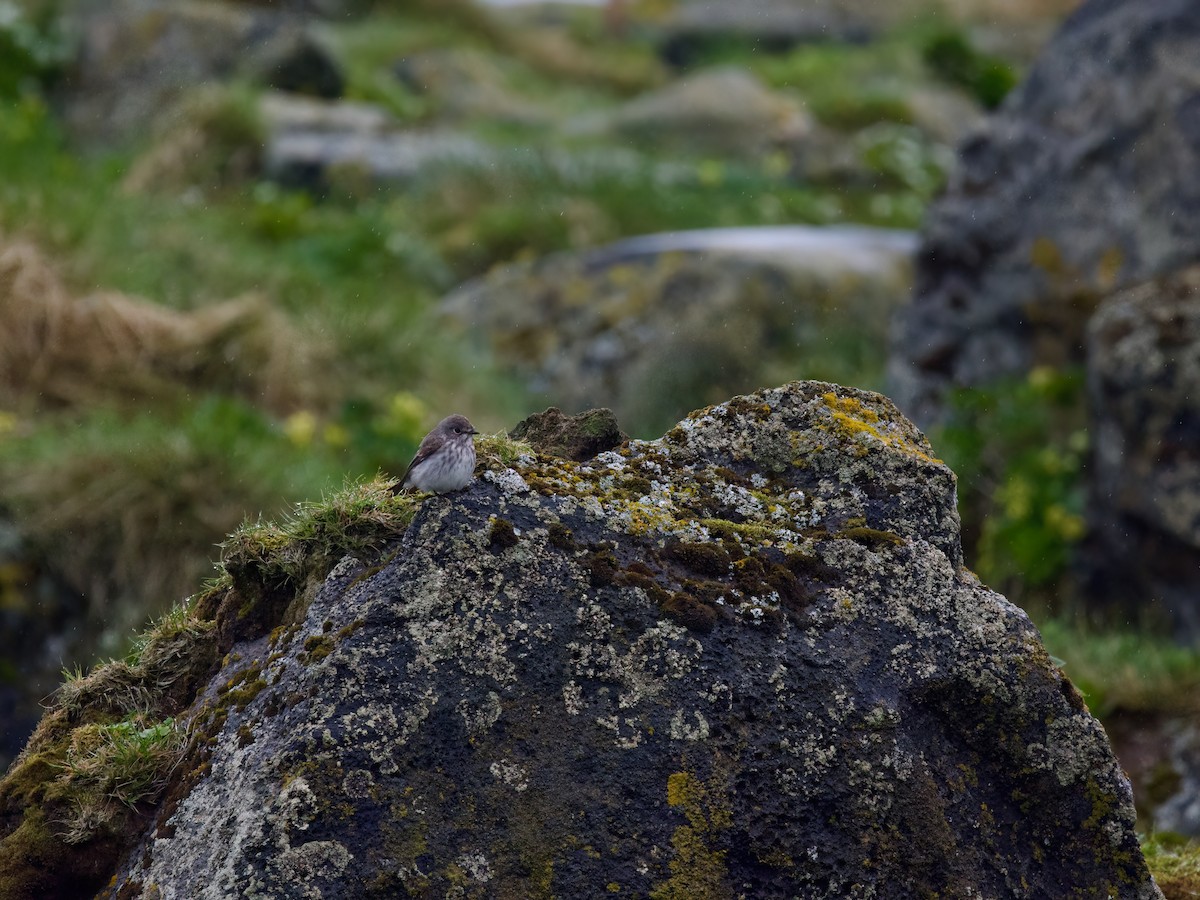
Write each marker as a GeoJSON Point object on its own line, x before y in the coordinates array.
{"type": "Point", "coordinates": [698, 871]}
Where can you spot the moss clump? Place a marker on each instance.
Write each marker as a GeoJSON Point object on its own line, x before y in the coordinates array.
{"type": "Point", "coordinates": [690, 612]}
{"type": "Point", "coordinates": [602, 568]}
{"type": "Point", "coordinates": [318, 647]}
{"type": "Point", "coordinates": [871, 537]}
{"type": "Point", "coordinates": [502, 535]}
{"type": "Point", "coordinates": [560, 536]}
{"type": "Point", "coordinates": [499, 451]}
{"type": "Point", "coordinates": [703, 559]}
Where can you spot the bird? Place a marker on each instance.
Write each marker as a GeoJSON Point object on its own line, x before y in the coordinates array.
{"type": "Point", "coordinates": [445, 460]}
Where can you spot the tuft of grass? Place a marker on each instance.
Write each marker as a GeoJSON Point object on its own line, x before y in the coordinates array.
{"type": "Point", "coordinates": [498, 450]}
{"type": "Point", "coordinates": [131, 506]}
{"type": "Point", "coordinates": [127, 762]}
{"type": "Point", "coordinates": [362, 516]}
{"type": "Point", "coordinates": [1175, 864]}
{"type": "Point", "coordinates": [1125, 670]}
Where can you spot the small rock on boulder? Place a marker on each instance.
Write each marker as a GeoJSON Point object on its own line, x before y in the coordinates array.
{"type": "Point", "coordinates": [578, 437]}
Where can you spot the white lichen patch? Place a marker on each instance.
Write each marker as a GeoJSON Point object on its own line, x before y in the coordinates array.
{"type": "Point", "coordinates": [689, 727]}
{"type": "Point", "coordinates": [358, 783]}
{"type": "Point", "coordinates": [509, 481]}
{"type": "Point", "coordinates": [480, 719]}
{"type": "Point", "coordinates": [476, 866]}
{"type": "Point", "coordinates": [510, 774]}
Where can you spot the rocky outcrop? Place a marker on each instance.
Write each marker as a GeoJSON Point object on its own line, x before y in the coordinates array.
{"type": "Point", "coordinates": [309, 140]}
{"type": "Point", "coordinates": [646, 325]}
{"type": "Point", "coordinates": [1085, 181]}
{"type": "Point", "coordinates": [744, 659]}
{"type": "Point", "coordinates": [1144, 513]}
{"type": "Point", "coordinates": [572, 437]}
{"type": "Point", "coordinates": [137, 57]}
{"type": "Point", "coordinates": [723, 111]}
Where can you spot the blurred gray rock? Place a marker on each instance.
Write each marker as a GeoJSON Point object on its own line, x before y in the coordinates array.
{"type": "Point", "coordinates": [309, 140]}
{"type": "Point", "coordinates": [462, 83]}
{"type": "Point", "coordinates": [725, 111]}
{"type": "Point", "coordinates": [137, 57]}
{"type": "Point", "coordinates": [1088, 179]}
{"type": "Point", "coordinates": [767, 25]}
{"type": "Point", "coordinates": [1144, 392]}
{"type": "Point", "coordinates": [657, 325]}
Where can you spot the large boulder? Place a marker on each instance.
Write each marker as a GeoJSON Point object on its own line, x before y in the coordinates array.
{"type": "Point", "coordinates": [1085, 181]}
{"type": "Point", "coordinates": [722, 111]}
{"type": "Point", "coordinates": [742, 660]}
{"type": "Point", "coordinates": [138, 57]}
{"type": "Point", "coordinates": [656, 325]}
{"type": "Point", "coordinates": [1144, 514]}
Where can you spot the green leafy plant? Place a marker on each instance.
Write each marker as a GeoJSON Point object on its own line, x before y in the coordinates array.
{"type": "Point", "coordinates": [32, 49]}
{"type": "Point", "coordinates": [1018, 447]}
{"type": "Point", "coordinates": [954, 58]}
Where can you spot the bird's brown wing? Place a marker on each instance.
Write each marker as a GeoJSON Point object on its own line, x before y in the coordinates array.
{"type": "Point", "coordinates": [424, 451]}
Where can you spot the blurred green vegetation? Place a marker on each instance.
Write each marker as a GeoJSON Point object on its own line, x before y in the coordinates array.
{"type": "Point", "coordinates": [1175, 863]}
{"type": "Point", "coordinates": [951, 54]}
{"type": "Point", "coordinates": [1019, 447]}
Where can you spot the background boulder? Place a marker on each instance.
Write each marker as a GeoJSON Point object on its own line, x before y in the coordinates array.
{"type": "Point", "coordinates": [1144, 515]}
{"type": "Point", "coordinates": [1086, 180]}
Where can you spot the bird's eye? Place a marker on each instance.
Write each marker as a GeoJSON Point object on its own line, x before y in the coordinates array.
{"type": "Point", "coordinates": [458, 431]}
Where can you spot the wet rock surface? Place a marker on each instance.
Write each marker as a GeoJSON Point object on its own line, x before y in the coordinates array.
{"type": "Point", "coordinates": [1085, 181]}
{"type": "Point", "coordinates": [742, 659]}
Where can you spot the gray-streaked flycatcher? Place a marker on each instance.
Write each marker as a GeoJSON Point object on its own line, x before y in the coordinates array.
{"type": "Point", "coordinates": [445, 461]}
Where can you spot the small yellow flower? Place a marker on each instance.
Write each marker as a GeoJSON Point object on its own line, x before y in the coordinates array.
{"type": "Point", "coordinates": [301, 428]}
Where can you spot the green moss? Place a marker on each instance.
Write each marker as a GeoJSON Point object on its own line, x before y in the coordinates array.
{"type": "Point", "coordinates": [703, 559]}
{"type": "Point", "coordinates": [690, 612]}
{"type": "Point", "coordinates": [560, 536]}
{"type": "Point", "coordinates": [602, 568]}
{"type": "Point", "coordinates": [318, 646]}
{"type": "Point", "coordinates": [870, 537]}
{"type": "Point", "coordinates": [241, 697]}
{"type": "Point", "coordinates": [502, 535]}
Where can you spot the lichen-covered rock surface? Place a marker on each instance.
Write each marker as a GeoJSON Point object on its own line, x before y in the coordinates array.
{"type": "Point", "coordinates": [741, 661]}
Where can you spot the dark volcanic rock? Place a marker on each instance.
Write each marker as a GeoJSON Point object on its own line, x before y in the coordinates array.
{"type": "Point", "coordinates": [578, 437]}
{"type": "Point", "coordinates": [742, 660]}
{"type": "Point", "coordinates": [1086, 180]}
{"type": "Point", "coordinates": [1144, 514]}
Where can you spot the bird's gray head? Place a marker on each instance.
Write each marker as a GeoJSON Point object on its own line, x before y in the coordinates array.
{"type": "Point", "coordinates": [454, 426]}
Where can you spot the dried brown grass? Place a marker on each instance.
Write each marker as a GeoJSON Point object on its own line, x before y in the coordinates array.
{"type": "Point", "coordinates": [59, 350]}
